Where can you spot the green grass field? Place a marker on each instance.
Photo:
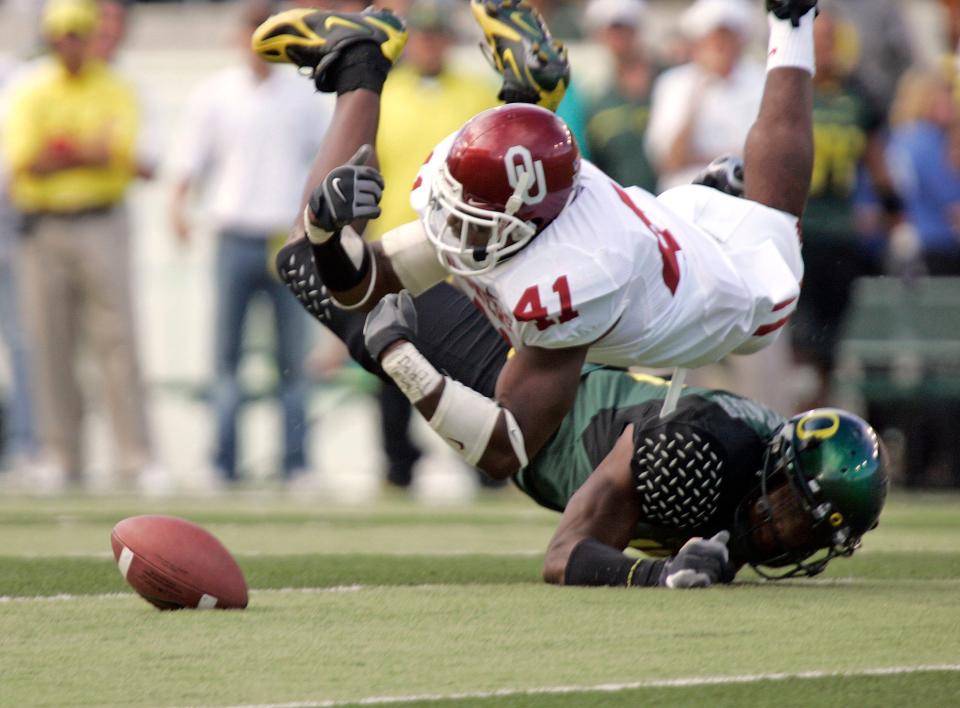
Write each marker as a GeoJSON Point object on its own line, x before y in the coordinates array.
{"type": "Point", "coordinates": [406, 605]}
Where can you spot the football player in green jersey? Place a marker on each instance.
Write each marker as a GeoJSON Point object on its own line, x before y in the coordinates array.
{"type": "Point", "coordinates": [720, 482]}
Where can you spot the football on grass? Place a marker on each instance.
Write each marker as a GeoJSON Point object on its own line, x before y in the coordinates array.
{"type": "Point", "coordinates": [175, 564]}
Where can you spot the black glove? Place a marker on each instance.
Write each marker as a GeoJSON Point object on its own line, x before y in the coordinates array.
{"type": "Point", "coordinates": [700, 563]}
{"type": "Point", "coordinates": [394, 318]}
{"type": "Point", "coordinates": [791, 10]}
{"type": "Point", "coordinates": [349, 192]}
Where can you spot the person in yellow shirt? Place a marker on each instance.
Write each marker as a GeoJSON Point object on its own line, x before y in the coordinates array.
{"type": "Point", "coordinates": [69, 147]}
{"type": "Point", "coordinates": [424, 100]}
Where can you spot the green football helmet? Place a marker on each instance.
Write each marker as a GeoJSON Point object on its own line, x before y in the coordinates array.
{"type": "Point", "coordinates": [836, 466]}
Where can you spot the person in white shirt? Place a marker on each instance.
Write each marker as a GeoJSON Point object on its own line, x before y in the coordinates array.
{"type": "Point", "coordinates": [704, 108]}
{"type": "Point", "coordinates": [567, 264]}
{"type": "Point", "coordinates": [250, 136]}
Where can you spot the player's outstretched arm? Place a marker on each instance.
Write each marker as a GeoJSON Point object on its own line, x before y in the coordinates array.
{"type": "Point", "coordinates": [356, 119]}
{"type": "Point", "coordinates": [778, 155]}
{"type": "Point", "coordinates": [346, 53]}
{"type": "Point", "coordinates": [603, 513]}
{"type": "Point", "coordinates": [349, 54]}
{"type": "Point", "coordinates": [534, 391]}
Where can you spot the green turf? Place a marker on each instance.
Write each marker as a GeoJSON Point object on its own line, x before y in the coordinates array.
{"type": "Point", "coordinates": [439, 622]}
{"type": "Point", "coordinates": [922, 689]}
{"type": "Point", "coordinates": [291, 646]}
{"type": "Point", "coordinates": [83, 576]}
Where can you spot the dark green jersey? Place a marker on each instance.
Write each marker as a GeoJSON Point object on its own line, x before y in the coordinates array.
{"type": "Point", "coordinates": [610, 399]}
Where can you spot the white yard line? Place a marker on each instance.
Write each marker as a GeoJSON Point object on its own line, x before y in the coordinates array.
{"type": "Point", "coordinates": [124, 595]}
{"type": "Point", "coordinates": [61, 597]}
{"type": "Point", "coordinates": [614, 687]}
{"type": "Point", "coordinates": [520, 553]}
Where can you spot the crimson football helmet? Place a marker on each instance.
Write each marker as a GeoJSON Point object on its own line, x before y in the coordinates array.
{"type": "Point", "coordinates": [510, 171]}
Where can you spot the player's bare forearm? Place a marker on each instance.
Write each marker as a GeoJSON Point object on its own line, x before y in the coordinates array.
{"type": "Point", "coordinates": [606, 508]}
{"type": "Point", "coordinates": [355, 122]}
{"type": "Point", "coordinates": [778, 156]}
{"type": "Point", "coordinates": [538, 386]}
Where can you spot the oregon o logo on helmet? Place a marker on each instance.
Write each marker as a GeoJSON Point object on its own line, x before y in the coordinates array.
{"type": "Point", "coordinates": [818, 424]}
{"type": "Point", "coordinates": [518, 161]}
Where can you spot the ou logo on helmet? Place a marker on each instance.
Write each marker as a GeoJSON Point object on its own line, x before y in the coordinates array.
{"type": "Point", "coordinates": [519, 161]}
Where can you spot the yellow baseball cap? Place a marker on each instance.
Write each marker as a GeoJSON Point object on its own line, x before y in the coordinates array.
{"type": "Point", "coordinates": [61, 17]}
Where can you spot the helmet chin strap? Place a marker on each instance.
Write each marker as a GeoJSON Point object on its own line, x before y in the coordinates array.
{"type": "Point", "coordinates": [516, 199]}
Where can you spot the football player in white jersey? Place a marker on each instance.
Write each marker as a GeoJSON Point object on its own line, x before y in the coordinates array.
{"type": "Point", "coordinates": [567, 264]}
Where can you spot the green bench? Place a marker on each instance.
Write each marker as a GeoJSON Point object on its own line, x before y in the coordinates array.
{"type": "Point", "coordinates": [901, 340]}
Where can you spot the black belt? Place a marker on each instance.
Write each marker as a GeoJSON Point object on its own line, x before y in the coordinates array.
{"type": "Point", "coordinates": [101, 210]}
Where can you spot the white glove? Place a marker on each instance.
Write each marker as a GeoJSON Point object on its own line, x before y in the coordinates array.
{"type": "Point", "coordinates": [700, 563]}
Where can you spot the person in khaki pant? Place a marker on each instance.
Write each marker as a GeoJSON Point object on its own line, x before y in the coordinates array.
{"type": "Point", "coordinates": [69, 144]}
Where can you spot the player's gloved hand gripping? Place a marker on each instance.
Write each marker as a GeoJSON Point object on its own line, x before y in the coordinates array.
{"type": "Point", "coordinates": [348, 193]}
{"type": "Point", "coordinates": [393, 319]}
{"type": "Point", "coordinates": [700, 563]}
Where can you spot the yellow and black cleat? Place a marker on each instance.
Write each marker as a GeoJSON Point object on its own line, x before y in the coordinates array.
{"type": "Point", "coordinates": [533, 64]}
{"type": "Point", "coordinates": [315, 38]}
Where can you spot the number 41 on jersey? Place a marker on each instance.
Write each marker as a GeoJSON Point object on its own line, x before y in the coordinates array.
{"type": "Point", "coordinates": [530, 307]}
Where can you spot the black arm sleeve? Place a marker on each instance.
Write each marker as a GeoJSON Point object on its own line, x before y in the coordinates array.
{"type": "Point", "coordinates": [452, 334]}
{"type": "Point", "coordinates": [595, 563]}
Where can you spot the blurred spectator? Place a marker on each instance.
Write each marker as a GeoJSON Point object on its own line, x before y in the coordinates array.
{"type": "Point", "coordinates": [847, 134]}
{"type": "Point", "coordinates": [924, 155]}
{"type": "Point", "coordinates": [885, 47]}
{"type": "Point", "coordinates": [617, 121]}
{"type": "Point", "coordinates": [253, 159]}
{"type": "Point", "coordinates": [20, 443]}
{"type": "Point", "coordinates": [617, 26]}
{"type": "Point", "coordinates": [69, 135]}
{"type": "Point", "coordinates": [704, 109]}
{"type": "Point", "coordinates": [423, 101]}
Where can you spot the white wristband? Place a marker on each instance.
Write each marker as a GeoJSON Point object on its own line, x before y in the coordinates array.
{"type": "Point", "coordinates": [791, 47]}
{"type": "Point", "coordinates": [411, 371]}
{"type": "Point", "coordinates": [465, 419]}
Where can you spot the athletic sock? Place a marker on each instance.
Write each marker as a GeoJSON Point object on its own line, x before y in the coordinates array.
{"type": "Point", "coordinates": [360, 66]}
{"type": "Point", "coordinates": [791, 46]}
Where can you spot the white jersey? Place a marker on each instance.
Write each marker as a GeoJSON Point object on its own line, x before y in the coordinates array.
{"type": "Point", "coordinates": [679, 280]}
